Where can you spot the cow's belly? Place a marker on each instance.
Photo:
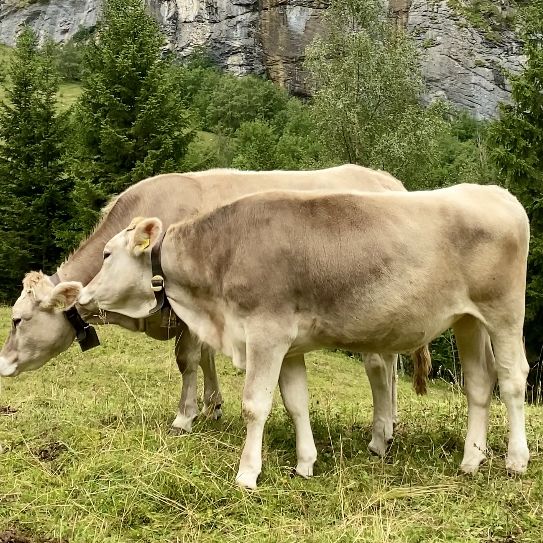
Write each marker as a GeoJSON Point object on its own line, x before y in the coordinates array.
{"type": "Point", "coordinates": [363, 336]}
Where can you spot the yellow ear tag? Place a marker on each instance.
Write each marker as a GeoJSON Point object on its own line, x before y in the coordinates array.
{"type": "Point", "coordinates": [145, 244]}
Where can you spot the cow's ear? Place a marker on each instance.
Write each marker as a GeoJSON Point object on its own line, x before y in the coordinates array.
{"type": "Point", "coordinates": [145, 235]}
{"type": "Point", "coordinates": [63, 296]}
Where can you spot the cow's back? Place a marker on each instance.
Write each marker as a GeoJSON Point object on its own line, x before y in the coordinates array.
{"type": "Point", "coordinates": [226, 185]}
{"type": "Point", "coordinates": [338, 255]}
{"type": "Point", "coordinates": [173, 197]}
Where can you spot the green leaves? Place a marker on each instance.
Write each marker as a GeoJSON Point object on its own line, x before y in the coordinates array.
{"type": "Point", "coordinates": [367, 92]}
{"type": "Point", "coordinates": [130, 122]}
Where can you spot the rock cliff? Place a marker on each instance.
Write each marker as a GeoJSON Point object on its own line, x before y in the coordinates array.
{"type": "Point", "coordinates": [460, 63]}
{"type": "Point", "coordinates": [59, 19]}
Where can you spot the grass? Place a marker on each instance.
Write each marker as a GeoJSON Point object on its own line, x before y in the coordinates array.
{"type": "Point", "coordinates": [87, 456]}
{"type": "Point", "coordinates": [68, 92]}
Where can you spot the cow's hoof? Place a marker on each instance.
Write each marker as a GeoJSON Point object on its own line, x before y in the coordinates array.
{"type": "Point", "coordinates": [217, 413]}
{"type": "Point", "coordinates": [469, 469]}
{"type": "Point", "coordinates": [518, 464]}
{"type": "Point", "coordinates": [212, 411]}
{"type": "Point", "coordinates": [304, 469]}
{"type": "Point", "coordinates": [471, 461]}
{"type": "Point", "coordinates": [182, 424]}
{"type": "Point", "coordinates": [516, 469]}
{"type": "Point", "coordinates": [247, 480]}
{"type": "Point", "coordinates": [377, 447]}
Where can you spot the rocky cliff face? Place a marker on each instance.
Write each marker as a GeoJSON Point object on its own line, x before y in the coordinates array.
{"type": "Point", "coordinates": [269, 36]}
{"type": "Point", "coordinates": [227, 29]}
{"type": "Point", "coordinates": [59, 19]}
{"type": "Point", "coordinates": [460, 64]}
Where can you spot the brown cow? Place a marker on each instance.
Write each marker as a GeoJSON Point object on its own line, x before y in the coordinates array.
{"type": "Point", "coordinates": [274, 275]}
{"type": "Point", "coordinates": [40, 333]}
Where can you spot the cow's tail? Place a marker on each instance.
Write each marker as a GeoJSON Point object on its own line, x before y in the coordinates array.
{"type": "Point", "coordinates": [422, 364]}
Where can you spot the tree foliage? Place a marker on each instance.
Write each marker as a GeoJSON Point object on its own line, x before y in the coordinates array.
{"type": "Point", "coordinates": [33, 186]}
{"type": "Point", "coordinates": [516, 143]}
{"type": "Point", "coordinates": [130, 121]}
{"type": "Point", "coordinates": [367, 92]}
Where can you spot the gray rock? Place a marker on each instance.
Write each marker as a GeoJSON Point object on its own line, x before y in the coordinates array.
{"type": "Point", "coordinates": [459, 64]}
{"type": "Point", "coordinates": [58, 19]}
{"type": "Point", "coordinates": [226, 29]}
{"type": "Point", "coordinates": [269, 36]}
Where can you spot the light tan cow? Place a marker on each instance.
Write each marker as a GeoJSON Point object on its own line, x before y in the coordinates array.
{"type": "Point", "coordinates": [40, 332]}
{"type": "Point", "coordinates": [274, 275]}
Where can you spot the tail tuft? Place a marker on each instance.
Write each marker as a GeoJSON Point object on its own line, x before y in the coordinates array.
{"type": "Point", "coordinates": [422, 364]}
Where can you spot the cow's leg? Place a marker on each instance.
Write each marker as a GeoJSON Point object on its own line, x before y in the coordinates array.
{"type": "Point", "coordinates": [188, 352]}
{"type": "Point", "coordinates": [379, 369]}
{"type": "Point", "coordinates": [477, 360]}
{"type": "Point", "coordinates": [512, 368]}
{"type": "Point", "coordinates": [263, 365]}
{"type": "Point", "coordinates": [212, 393]}
{"type": "Point", "coordinates": [293, 385]}
{"type": "Point", "coordinates": [394, 388]}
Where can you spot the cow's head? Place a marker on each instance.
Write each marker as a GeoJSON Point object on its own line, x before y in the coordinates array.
{"type": "Point", "coordinates": [123, 285]}
{"type": "Point", "coordinates": [39, 328]}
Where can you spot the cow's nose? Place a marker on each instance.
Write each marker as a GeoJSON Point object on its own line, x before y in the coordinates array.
{"type": "Point", "coordinates": [7, 368]}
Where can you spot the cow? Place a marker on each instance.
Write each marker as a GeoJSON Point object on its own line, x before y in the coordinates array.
{"type": "Point", "coordinates": [274, 275]}
{"type": "Point", "coordinates": [40, 331]}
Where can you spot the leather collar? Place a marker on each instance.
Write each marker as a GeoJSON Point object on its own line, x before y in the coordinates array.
{"type": "Point", "coordinates": [85, 333]}
{"type": "Point", "coordinates": [157, 281]}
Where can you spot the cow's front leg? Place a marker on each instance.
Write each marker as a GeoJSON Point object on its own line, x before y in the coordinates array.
{"type": "Point", "coordinates": [187, 355]}
{"type": "Point", "coordinates": [380, 371]}
{"type": "Point", "coordinates": [212, 394]}
{"type": "Point", "coordinates": [263, 365]}
{"type": "Point", "coordinates": [293, 385]}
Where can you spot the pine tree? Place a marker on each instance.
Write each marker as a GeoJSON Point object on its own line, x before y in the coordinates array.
{"type": "Point", "coordinates": [516, 142]}
{"type": "Point", "coordinates": [33, 188]}
{"type": "Point", "coordinates": [130, 122]}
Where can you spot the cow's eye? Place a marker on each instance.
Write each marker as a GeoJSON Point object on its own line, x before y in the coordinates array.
{"type": "Point", "coordinates": [16, 322]}
{"type": "Point", "coordinates": [106, 255]}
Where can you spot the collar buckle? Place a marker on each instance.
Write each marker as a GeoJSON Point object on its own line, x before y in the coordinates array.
{"type": "Point", "coordinates": [157, 283]}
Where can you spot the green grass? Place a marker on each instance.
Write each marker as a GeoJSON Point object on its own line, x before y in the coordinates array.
{"type": "Point", "coordinates": [68, 92]}
{"type": "Point", "coordinates": [87, 456]}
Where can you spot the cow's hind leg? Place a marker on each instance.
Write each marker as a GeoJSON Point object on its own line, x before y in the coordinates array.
{"type": "Point", "coordinates": [380, 371]}
{"type": "Point", "coordinates": [187, 355]}
{"type": "Point", "coordinates": [477, 361]}
{"type": "Point", "coordinates": [265, 353]}
{"type": "Point", "coordinates": [394, 388]}
{"type": "Point", "coordinates": [512, 368]}
{"type": "Point", "coordinates": [293, 385]}
{"type": "Point", "coordinates": [212, 393]}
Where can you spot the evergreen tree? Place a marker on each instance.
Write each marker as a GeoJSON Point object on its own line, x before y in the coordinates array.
{"type": "Point", "coordinates": [33, 188]}
{"type": "Point", "coordinates": [130, 122]}
{"type": "Point", "coordinates": [516, 142]}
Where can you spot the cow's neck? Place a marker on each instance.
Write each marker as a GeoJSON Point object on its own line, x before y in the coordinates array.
{"type": "Point", "coordinates": [85, 262]}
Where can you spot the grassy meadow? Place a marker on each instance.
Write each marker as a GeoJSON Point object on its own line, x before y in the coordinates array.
{"type": "Point", "coordinates": [87, 456]}
{"type": "Point", "coordinates": [68, 92]}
